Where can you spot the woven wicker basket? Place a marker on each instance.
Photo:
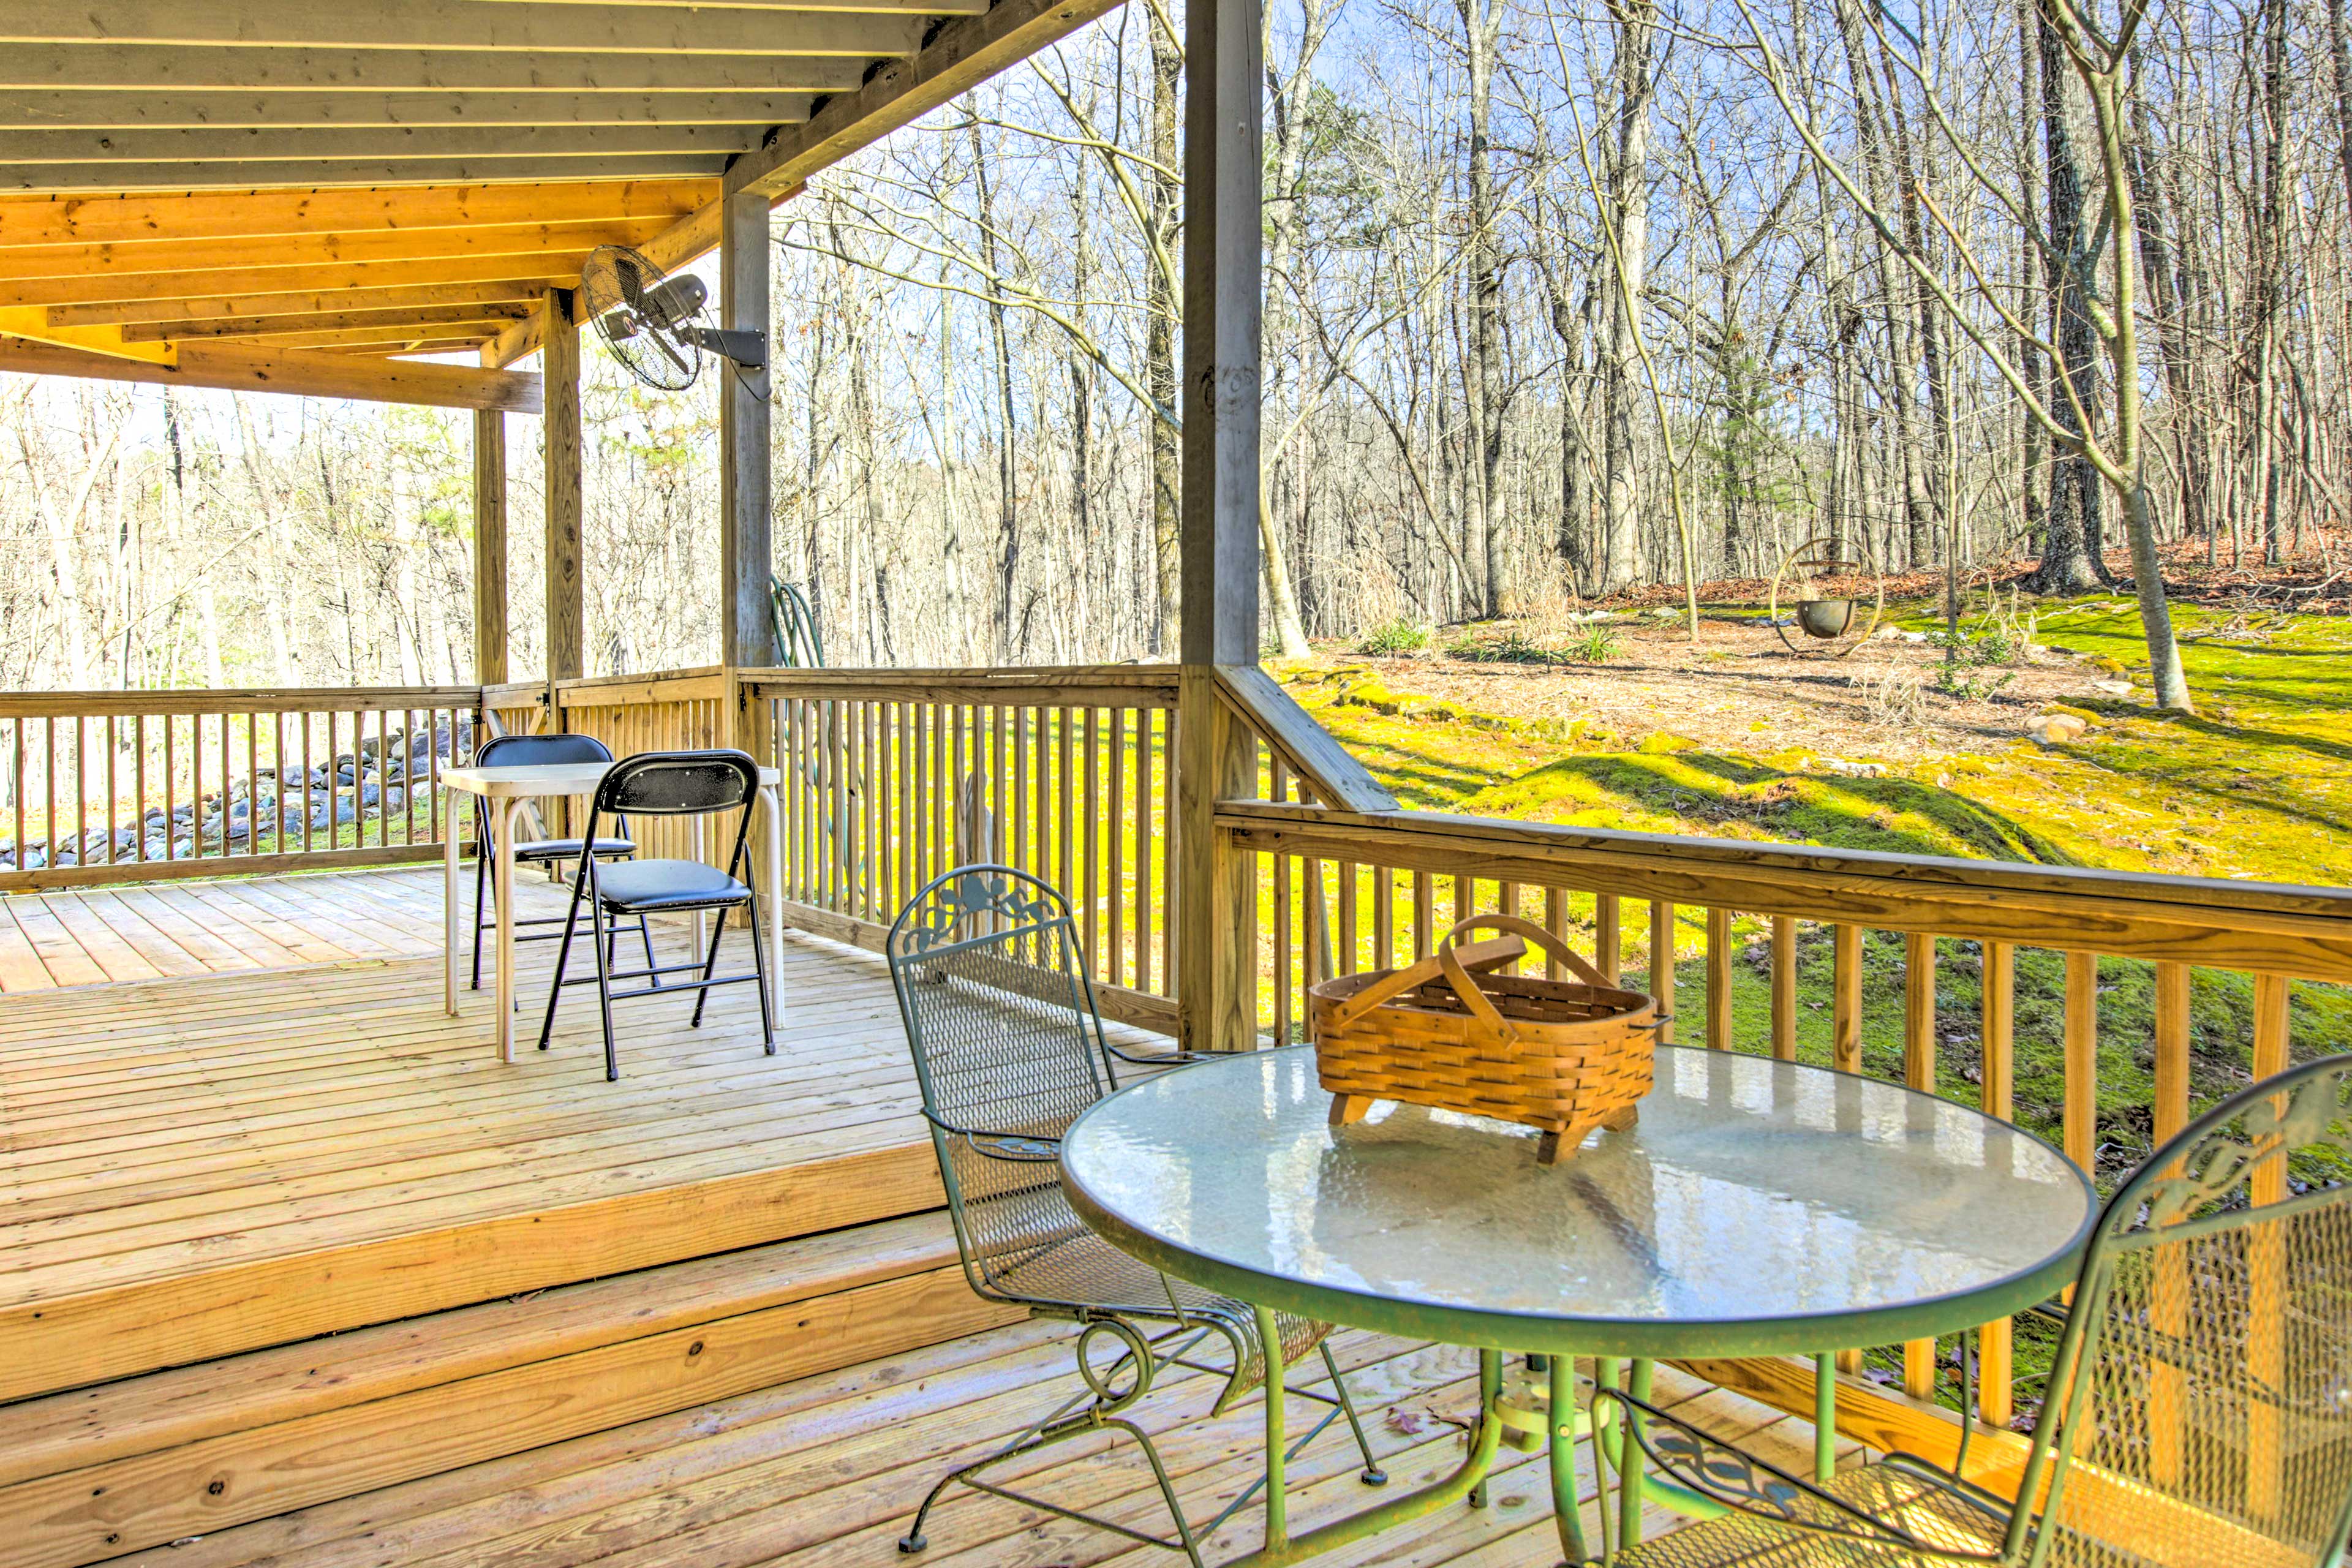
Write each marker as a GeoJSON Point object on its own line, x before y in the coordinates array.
{"type": "Point", "coordinates": [1565, 1056]}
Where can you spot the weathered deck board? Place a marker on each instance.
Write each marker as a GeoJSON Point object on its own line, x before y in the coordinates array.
{"type": "Point", "coordinates": [92, 937]}
{"type": "Point", "coordinates": [827, 1470]}
{"type": "Point", "coordinates": [195, 1164]}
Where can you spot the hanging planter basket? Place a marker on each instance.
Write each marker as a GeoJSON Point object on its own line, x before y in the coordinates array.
{"type": "Point", "coordinates": [1454, 1033]}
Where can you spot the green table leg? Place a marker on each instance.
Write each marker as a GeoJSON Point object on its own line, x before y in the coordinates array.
{"type": "Point", "coordinates": [1277, 1458]}
{"type": "Point", "coordinates": [1629, 1461]}
{"type": "Point", "coordinates": [1561, 1417]}
{"type": "Point", "coordinates": [1825, 1417]}
{"type": "Point", "coordinates": [1282, 1549]}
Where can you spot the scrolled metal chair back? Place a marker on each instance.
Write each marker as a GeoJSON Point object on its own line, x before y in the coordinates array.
{"type": "Point", "coordinates": [1008, 1050]}
{"type": "Point", "coordinates": [2207, 1362]}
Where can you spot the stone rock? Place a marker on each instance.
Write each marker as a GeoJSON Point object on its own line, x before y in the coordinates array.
{"type": "Point", "coordinates": [2057, 729]}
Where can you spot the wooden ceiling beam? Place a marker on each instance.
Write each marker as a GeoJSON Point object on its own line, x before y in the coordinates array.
{"type": "Point", "coordinates": [960, 55]}
{"type": "Point", "coordinates": [695, 235]}
{"type": "Point", "coordinates": [468, 332]}
{"type": "Point", "coordinates": [310, 375]}
{"type": "Point", "coordinates": [172, 111]}
{"type": "Point", "coordinates": [554, 268]}
{"type": "Point", "coordinates": [231, 214]}
{"type": "Point", "coordinates": [210, 256]}
{"type": "Point", "coordinates": [190, 316]}
{"type": "Point", "coordinates": [811, 27]}
{"type": "Point", "coordinates": [152, 157]}
{"type": "Point", "coordinates": [112, 178]}
{"type": "Point", "coordinates": [182, 69]}
{"type": "Point", "coordinates": [495, 316]}
{"type": "Point", "coordinates": [386, 351]}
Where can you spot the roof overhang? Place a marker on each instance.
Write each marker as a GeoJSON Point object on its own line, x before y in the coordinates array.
{"type": "Point", "coordinates": [291, 196]}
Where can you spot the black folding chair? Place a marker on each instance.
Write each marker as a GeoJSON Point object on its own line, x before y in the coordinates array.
{"type": "Point", "coordinates": [666, 783]}
{"type": "Point", "coordinates": [526, 752]}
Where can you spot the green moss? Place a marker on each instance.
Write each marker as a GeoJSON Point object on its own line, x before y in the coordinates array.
{"type": "Point", "coordinates": [1735, 798]}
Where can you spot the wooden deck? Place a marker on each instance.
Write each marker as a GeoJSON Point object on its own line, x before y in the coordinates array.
{"type": "Point", "coordinates": [165, 931]}
{"type": "Point", "coordinates": [196, 1165]}
{"type": "Point", "coordinates": [826, 1471]}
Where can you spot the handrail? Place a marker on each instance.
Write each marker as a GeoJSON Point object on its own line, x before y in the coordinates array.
{"type": "Point", "coordinates": [2283, 929]}
{"type": "Point", "coordinates": [1310, 749]}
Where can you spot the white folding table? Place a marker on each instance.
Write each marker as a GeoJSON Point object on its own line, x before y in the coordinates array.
{"type": "Point", "coordinates": [504, 791]}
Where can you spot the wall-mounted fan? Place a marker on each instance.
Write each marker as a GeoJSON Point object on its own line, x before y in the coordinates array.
{"type": "Point", "coordinates": [653, 324]}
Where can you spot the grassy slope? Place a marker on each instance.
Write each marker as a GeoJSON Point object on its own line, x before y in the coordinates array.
{"type": "Point", "coordinates": [2257, 785]}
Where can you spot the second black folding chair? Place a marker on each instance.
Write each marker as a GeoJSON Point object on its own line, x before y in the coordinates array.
{"type": "Point", "coordinates": [654, 784]}
{"type": "Point", "coordinates": [528, 752]}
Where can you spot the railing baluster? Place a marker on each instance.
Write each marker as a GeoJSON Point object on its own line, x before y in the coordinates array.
{"type": "Point", "coordinates": [1609, 937]}
{"type": "Point", "coordinates": [1118, 834]}
{"type": "Point", "coordinates": [1718, 978]}
{"type": "Point", "coordinates": [2081, 1113]}
{"type": "Point", "coordinates": [1661, 964]}
{"type": "Point", "coordinates": [1919, 1073]}
{"type": "Point", "coordinates": [2266, 1313]}
{"type": "Point", "coordinates": [1845, 997]}
{"type": "Point", "coordinates": [1784, 987]}
{"type": "Point", "coordinates": [1995, 1401]}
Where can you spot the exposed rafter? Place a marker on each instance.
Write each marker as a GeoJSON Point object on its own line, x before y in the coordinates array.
{"type": "Point", "coordinates": [807, 28]}
{"type": "Point", "coordinates": [221, 215]}
{"type": "Point", "coordinates": [457, 159]}
{"type": "Point", "coordinates": [310, 374]}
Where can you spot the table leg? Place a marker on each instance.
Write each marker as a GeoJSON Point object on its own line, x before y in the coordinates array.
{"type": "Point", "coordinates": [1277, 1442]}
{"type": "Point", "coordinates": [775, 901]}
{"type": "Point", "coordinates": [503, 836]}
{"type": "Point", "coordinates": [1559, 1416]}
{"type": "Point", "coordinates": [1629, 1461]}
{"type": "Point", "coordinates": [1825, 1417]}
{"type": "Point", "coordinates": [450, 905]}
{"type": "Point", "coordinates": [1284, 1549]}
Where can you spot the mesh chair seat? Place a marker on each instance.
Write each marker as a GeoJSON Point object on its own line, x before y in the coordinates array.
{"type": "Point", "coordinates": [569, 849]}
{"type": "Point", "coordinates": [1744, 1540]}
{"type": "Point", "coordinates": [635, 886]}
{"type": "Point", "coordinates": [1083, 1273]}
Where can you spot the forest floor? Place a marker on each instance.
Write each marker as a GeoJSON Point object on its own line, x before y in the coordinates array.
{"type": "Point", "coordinates": [1626, 723]}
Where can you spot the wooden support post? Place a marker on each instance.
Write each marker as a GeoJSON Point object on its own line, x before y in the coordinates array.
{"type": "Point", "coordinates": [489, 547]}
{"type": "Point", "coordinates": [1216, 945]}
{"type": "Point", "coordinates": [746, 639]}
{"type": "Point", "coordinates": [567, 617]}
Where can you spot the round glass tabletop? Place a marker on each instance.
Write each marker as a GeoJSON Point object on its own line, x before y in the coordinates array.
{"type": "Point", "coordinates": [1758, 1208]}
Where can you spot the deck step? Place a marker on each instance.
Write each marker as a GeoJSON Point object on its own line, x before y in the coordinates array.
{"type": "Point", "coordinates": [143, 1461]}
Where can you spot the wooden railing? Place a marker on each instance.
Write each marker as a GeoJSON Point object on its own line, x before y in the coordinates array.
{"type": "Point", "coordinates": [1343, 892]}
{"type": "Point", "coordinates": [892, 776]}
{"type": "Point", "coordinates": [127, 786]}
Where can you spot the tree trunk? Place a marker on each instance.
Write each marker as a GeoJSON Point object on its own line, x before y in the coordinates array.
{"type": "Point", "coordinates": [1008, 523]}
{"type": "Point", "coordinates": [1628, 215]}
{"type": "Point", "coordinates": [2073, 558]}
{"type": "Point", "coordinates": [1160, 330]}
{"type": "Point", "coordinates": [1489, 529]}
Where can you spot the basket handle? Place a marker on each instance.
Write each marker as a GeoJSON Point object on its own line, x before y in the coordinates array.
{"type": "Point", "coordinates": [1569, 959]}
{"type": "Point", "coordinates": [1446, 960]}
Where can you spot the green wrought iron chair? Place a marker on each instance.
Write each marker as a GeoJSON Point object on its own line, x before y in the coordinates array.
{"type": "Point", "coordinates": [2198, 1413]}
{"type": "Point", "coordinates": [1008, 1049]}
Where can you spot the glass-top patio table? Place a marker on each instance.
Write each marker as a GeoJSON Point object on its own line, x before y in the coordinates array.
{"type": "Point", "coordinates": [1759, 1207]}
